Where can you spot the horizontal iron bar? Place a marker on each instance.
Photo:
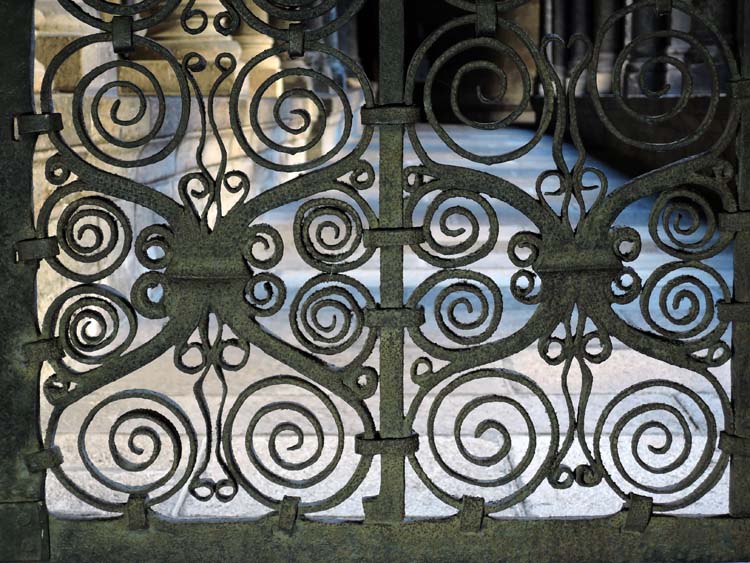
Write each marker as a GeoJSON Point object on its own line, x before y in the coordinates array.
{"type": "Point", "coordinates": [404, 446]}
{"type": "Point", "coordinates": [597, 540]}
{"type": "Point", "coordinates": [735, 222]}
{"type": "Point", "coordinates": [376, 238]}
{"type": "Point", "coordinates": [38, 123]}
{"type": "Point", "coordinates": [44, 459]}
{"type": "Point", "coordinates": [394, 318]}
{"type": "Point", "coordinates": [578, 260]}
{"type": "Point", "coordinates": [733, 312]}
{"type": "Point", "coordinates": [37, 249]}
{"type": "Point", "coordinates": [390, 115]}
{"type": "Point", "coordinates": [46, 349]}
{"type": "Point", "coordinates": [734, 445]}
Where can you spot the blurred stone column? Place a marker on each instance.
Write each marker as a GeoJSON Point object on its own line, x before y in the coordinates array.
{"type": "Point", "coordinates": [56, 28]}
{"type": "Point", "coordinates": [347, 38]}
{"type": "Point", "coordinates": [38, 66]}
{"type": "Point", "coordinates": [579, 13]}
{"type": "Point", "coordinates": [253, 43]}
{"type": "Point", "coordinates": [560, 27]}
{"type": "Point", "coordinates": [287, 62]}
{"type": "Point", "coordinates": [645, 21]}
{"type": "Point", "coordinates": [723, 14]}
{"type": "Point", "coordinates": [612, 42]}
{"type": "Point", "coordinates": [209, 43]}
{"type": "Point", "coordinates": [678, 49]}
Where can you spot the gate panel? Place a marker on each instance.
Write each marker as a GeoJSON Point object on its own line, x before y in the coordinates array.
{"type": "Point", "coordinates": [200, 273]}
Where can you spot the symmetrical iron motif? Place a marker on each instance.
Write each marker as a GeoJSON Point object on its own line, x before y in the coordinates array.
{"type": "Point", "coordinates": [212, 267]}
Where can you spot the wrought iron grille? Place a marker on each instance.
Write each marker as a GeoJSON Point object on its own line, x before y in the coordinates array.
{"type": "Point", "coordinates": [212, 278]}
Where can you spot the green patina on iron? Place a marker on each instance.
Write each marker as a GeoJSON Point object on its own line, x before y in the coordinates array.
{"type": "Point", "coordinates": [219, 261]}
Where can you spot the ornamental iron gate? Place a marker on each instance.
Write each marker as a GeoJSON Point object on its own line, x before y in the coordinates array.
{"type": "Point", "coordinates": [212, 269]}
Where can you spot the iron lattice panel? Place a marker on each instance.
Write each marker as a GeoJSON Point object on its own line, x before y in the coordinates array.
{"type": "Point", "coordinates": [212, 271]}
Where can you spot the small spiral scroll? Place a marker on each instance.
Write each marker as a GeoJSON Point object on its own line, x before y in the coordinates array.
{"type": "Point", "coordinates": [480, 64]}
{"type": "Point", "coordinates": [688, 293]}
{"type": "Point", "coordinates": [266, 294]}
{"type": "Point", "coordinates": [505, 438]}
{"type": "Point", "coordinates": [93, 323]}
{"type": "Point", "coordinates": [135, 117]}
{"type": "Point", "coordinates": [327, 314]}
{"type": "Point", "coordinates": [467, 309]}
{"type": "Point", "coordinates": [679, 103]}
{"type": "Point", "coordinates": [264, 247]}
{"type": "Point", "coordinates": [154, 246]}
{"type": "Point", "coordinates": [661, 463]}
{"type": "Point", "coordinates": [328, 235]}
{"type": "Point", "coordinates": [523, 250]}
{"type": "Point", "coordinates": [94, 233]}
{"type": "Point", "coordinates": [309, 420]}
{"type": "Point", "coordinates": [154, 423]}
{"type": "Point", "coordinates": [683, 223]}
{"type": "Point", "coordinates": [300, 124]}
{"type": "Point", "coordinates": [472, 236]}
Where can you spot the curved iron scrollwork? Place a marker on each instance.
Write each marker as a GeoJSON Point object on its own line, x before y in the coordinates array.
{"type": "Point", "coordinates": [211, 264]}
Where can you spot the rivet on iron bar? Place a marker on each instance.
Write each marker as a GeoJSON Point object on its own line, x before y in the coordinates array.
{"type": "Point", "coordinates": [136, 512]}
{"type": "Point", "coordinates": [41, 350]}
{"type": "Point", "coordinates": [378, 446]}
{"type": "Point", "coordinates": [734, 445]}
{"type": "Point", "coordinates": [43, 459]}
{"type": "Point", "coordinates": [663, 7]}
{"type": "Point", "coordinates": [296, 40]}
{"type": "Point", "coordinates": [471, 515]}
{"type": "Point", "coordinates": [377, 238]}
{"type": "Point", "coordinates": [733, 311]}
{"type": "Point", "coordinates": [37, 124]}
{"type": "Point", "coordinates": [394, 318]}
{"type": "Point", "coordinates": [638, 511]}
{"type": "Point", "coordinates": [390, 115]}
{"type": "Point", "coordinates": [288, 513]}
{"type": "Point", "coordinates": [122, 34]}
{"type": "Point", "coordinates": [33, 250]}
{"type": "Point", "coordinates": [486, 18]}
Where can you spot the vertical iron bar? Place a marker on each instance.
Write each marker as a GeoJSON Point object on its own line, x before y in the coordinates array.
{"type": "Point", "coordinates": [389, 505]}
{"type": "Point", "coordinates": [739, 472]}
{"type": "Point", "coordinates": [22, 514]}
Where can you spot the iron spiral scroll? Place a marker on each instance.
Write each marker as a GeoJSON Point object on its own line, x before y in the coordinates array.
{"type": "Point", "coordinates": [211, 269]}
